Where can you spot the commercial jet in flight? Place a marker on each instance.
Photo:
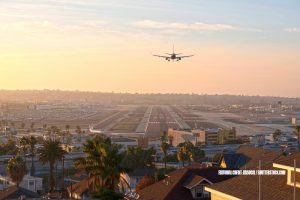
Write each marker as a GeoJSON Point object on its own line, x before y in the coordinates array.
{"type": "Point", "coordinates": [173, 56]}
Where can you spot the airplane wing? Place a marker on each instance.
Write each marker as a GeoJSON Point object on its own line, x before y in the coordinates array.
{"type": "Point", "coordinates": [185, 56]}
{"type": "Point", "coordinates": [168, 57]}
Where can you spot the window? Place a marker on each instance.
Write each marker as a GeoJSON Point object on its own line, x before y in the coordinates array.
{"type": "Point", "coordinates": [31, 183]}
{"type": "Point", "coordinates": [199, 191]}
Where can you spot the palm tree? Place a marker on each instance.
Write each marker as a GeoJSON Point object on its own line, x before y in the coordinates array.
{"type": "Point", "coordinates": [164, 148]}
{"type": "Point", "coordinates": [102, 163]}
{"type": "Point", "coordinates": [49, 131]}
{"type": "Point", "coordinates": [16, 169]}
{"type": "Point", "coordinates": [23, 125]}
{"type": "Point", "coordinates": [181, 155]}
{"type": "Point", "coordinates": [67, 132]}
{"type": "Point", "coordinates": [57, 133]}
{"type": "Point", "coordinates": [12, 124]}
{"type": "Point", "coordinates": [53, 131]}
{"type": "Point", "coordinates": [44, 128]}
{"type": "Point", "coordinates": [51, 153]}
{"type": "Point", "coordinates": [277, 133]}
{"type": "Point", "coordinates": [32, 126]}
{"type": "Point", "coordinates": [170, 137]}
{"type": "Point", "coordinates": [23, 145]}
{"type": "Point", "coordinates": [78, 131]}
{"type": "Point", "coordinates": [32, 141]}
{"type": "Point", "coordinates": [112, 165]}
{"type": "Point", "coordinates": [188, 149]}
{"type": "Point", "coordinates": [297, 132]}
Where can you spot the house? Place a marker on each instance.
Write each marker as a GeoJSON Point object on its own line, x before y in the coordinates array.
{"type": "Point", "coordinates": [83, 188]}
{"type": "Point", "coordinates": [34, 184]}
{"type": "Point", "coordinates": [15, 193]}
{"type": "Point", "coordinates": [247, 157]}
{"type": "Point", "coordinates": [233, 160]}
{"type": "Point", "coordinates": [185, 183]}
{"type": "Point", "coordinates": [257, 140]}
{"type": "Point", "coordinates": [147, 143]}
{"type": "Point", "coordinates": [272, 187]}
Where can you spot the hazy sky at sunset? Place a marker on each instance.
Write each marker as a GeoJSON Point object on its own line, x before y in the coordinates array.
{"type": "Point", "coordinates": [241, 46]}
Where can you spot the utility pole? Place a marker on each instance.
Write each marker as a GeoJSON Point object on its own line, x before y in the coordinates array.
{"type": "Point", "coordinates": [259, 182]}
{"type": "Point", "coordinates": [294, 179]}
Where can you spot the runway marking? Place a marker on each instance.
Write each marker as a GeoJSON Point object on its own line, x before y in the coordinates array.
{"type": "Point", "coordinates": [148, 120]}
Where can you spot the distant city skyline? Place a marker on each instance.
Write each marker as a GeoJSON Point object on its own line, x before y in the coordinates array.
{"type": "Point", "coordinates": [241, 47]}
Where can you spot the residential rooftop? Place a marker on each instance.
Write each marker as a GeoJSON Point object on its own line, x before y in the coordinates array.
{"type": "Point", "coordinates": [247, 187]}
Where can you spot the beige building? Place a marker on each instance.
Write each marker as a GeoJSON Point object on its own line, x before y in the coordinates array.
{"type": "Point", "coordinates": [294, 120]}
{"type": "Point", "coordinates": [225, 135]}
{"type": "Point", "coordinates": [180, 136]}
{"type": "Point", "coordinates": [207, 136]}
{"type": "Point", "coordinates": [217, 136]}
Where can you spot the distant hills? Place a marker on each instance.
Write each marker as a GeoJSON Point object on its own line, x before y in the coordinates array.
{"type": "Point", "coordinates": [128, 98]}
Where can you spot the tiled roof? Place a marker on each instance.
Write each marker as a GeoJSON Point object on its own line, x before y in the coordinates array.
{"type": "Point", "coordinates": [173, 187]}
{"type": "Point", "coordinates": [235, 160]}
{"type": "Point", "coordinates": [289, 160]}
{"type": "Point", "coordinates": [272, 187]}
{"type": "Point", "coordinates": [15, 192]}
{"type": "Point", "coordinates": [251, 156]}
{"type": "Point", "coordinates": [193, 181]}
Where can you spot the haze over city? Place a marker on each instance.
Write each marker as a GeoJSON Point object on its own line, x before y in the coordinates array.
{"type": "Point", "coordinates": [240, 47]}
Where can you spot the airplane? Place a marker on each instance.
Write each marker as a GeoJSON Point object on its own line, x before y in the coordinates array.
{"type": "Point", "coordinates": [173, 56]}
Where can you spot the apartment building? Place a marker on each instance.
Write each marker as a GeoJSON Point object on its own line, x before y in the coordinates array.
{"type": "Point", "coordinates": [206, 136]}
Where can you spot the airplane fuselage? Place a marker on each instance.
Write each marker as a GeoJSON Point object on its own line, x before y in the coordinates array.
{"type": "Point", "coordinates": [173, 57]}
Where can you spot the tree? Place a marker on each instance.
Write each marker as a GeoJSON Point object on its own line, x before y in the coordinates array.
{"type": "Point", "coordinates": [187, 149]}
{"type": "Point", "coordinates": [23, 145]}
{"type": "Point", "coordinates": [16, 169]}
{"type": "Point", "coordinates": [277, 134]}
{"type": "Point", "coordinates": [28, 143]}
{"type": "Point", "coordinates": [198, 154]}
{"type": "Point", "coordinates": [102, 163]}
{"type": "Point", "coordinates": [12, 124]}
{"type": "Point", "coordinates": [51, 153]}
{"type": "Point", "coordinates": [8, 148]}
{"type": "Point", "coordinates": [181, 155]}
{"type": "Point", "coordinates": [23, 125]}
{"type": "Point", "coordinates": [171, 138]}
{"type": "Point", "coordinates": [78, 131]}
{"type": "Point", "coordinates": [32, 141]}
{"type": "Point", "coordinates": [53, 131]}
{"type": "Point", "coordinates": [67, 132]}
{"type": "Point", "coordinates": [32, 126]}
{"type": "Point", "coordinates": [45, 126]}
{"type": "Point", "coordinates": [297, 132]}
{"type": "Point", "coordinates": [144, 182]}
{"type": "Point", "coordinates": [136, 157]}
{"type": "Point", "coordinates": [105, 194]}
{"type": "Point", "coordinates": [164, 148]}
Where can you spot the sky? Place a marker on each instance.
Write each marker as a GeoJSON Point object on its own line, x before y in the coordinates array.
{"type": "Point", "coordinates": [248, 47]}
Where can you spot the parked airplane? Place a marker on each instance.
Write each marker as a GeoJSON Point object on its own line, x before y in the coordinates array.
{"type": "Point", "coordinates": [173, 56]}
